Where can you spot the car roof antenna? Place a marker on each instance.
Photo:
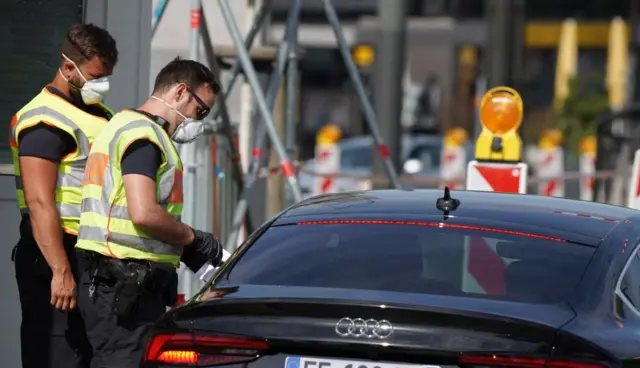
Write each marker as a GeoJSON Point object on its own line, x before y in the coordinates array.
{"type": "Point", "coordinates": [447, 204]}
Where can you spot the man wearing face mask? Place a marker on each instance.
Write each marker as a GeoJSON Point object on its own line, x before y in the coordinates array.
{"type": "Point", "coordinates": [50, 139]}
{"type": "Point", "coordinates": [131, 239]}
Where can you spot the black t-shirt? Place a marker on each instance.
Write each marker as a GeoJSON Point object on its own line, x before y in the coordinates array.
{"type": "Point", "coordinates": [142, 157]}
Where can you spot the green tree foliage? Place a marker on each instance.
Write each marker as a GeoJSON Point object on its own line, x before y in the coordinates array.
{"type": "Point", "coordinates": [576, 117]}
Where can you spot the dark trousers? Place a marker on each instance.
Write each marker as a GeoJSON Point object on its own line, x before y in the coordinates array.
{"type": "Point", "coordinates": [117, 342]}
{"type": "Point", "coordinates": [49, 338]}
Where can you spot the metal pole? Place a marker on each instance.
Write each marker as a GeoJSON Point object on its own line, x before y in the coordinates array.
{"type": "Point", "coordinates": [369, 113]}
{"type": "Point", "coordinates": [189, 157]}
{"type": "Point", "coordinates": [188, 151]}
{"type": "Point", "coordinates": [291, 105]}
{"type": "Point", "coordinates": [275, 188]}
{"type": "Point", "coordinates": [261, 135]}
{"type": "Point", "coordinates": [227, 128]}
{"type": "Point", "coordinates": [158, 12]}
{"type": "Point", "coordinates": [516, 22]}
{"type": "Point", "coordinates": [389, 64]}
{"type": "Point", "coordinates": [497, 63]}
{"type": "Point", "coordinates": [257, 25]}
{"type": "Point", "coordinates": [204, 173]}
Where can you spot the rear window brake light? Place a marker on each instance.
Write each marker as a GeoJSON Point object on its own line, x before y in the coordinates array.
{"type": "Point", "coordinates": [202, 350]}
{"type": "Point", "coordinates": [430, 224]}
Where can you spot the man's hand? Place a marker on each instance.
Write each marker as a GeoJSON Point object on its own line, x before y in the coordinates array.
{"type": "Point", "coordinates": [205, 248]}
{"type": "Point", "coordinates": [208, 245]}
{"type": "Point", "coordinates": [63, 291]}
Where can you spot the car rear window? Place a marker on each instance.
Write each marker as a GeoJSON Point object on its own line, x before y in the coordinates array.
{"type": "Point", "coordinates": [415, 258]}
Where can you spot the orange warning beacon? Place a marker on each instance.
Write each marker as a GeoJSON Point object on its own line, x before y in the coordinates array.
{"type": "Point", "coordinates": [501, 111]}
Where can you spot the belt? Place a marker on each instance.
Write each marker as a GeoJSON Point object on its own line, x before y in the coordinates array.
{"type": "Point", "coordinates": [150, 275]}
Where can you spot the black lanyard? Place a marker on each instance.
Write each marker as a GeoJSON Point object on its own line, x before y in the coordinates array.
{"type": "Point", "coordinates": [156, 119]}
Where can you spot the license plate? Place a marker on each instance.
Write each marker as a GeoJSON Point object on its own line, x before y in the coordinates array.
{"type": "Point", "coordinates": [307, 362]}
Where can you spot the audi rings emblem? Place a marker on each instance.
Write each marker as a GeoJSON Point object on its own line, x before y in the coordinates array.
{"type": "Point", "coordinates": [359, 327]}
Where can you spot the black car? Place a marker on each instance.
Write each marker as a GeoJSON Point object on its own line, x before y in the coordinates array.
{"type": "Point", "coordinates": [403, 279]}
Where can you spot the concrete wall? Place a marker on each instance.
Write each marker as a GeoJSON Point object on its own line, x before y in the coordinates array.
{"type": "Point", "coordinates": [129, 22]}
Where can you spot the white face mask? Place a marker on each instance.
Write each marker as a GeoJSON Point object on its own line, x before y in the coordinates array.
{"type": "Point", "coordinates": [92, 91]}
{"type": "Point", "coordinates": [188, 131]}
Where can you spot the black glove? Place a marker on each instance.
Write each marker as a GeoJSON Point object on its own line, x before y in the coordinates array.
{"type": "Point", "coordinates": [205, 248]}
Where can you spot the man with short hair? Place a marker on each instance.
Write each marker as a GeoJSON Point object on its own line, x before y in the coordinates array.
{"type": "Point", "coordinates": [50, 139]}
{"type": "Point", "coordinates": [131, 239]}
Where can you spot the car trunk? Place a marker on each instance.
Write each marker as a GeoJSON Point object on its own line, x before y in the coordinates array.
{"type": "Point", "coordinates": [355, 328]}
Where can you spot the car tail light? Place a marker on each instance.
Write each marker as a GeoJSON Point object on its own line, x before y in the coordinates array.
{"type": "Point", "coordinates": [521, 362]}
{"type": "Point", "coordinates": [179, 300]}
{"type": "Point", "coordinates": [202, 350]}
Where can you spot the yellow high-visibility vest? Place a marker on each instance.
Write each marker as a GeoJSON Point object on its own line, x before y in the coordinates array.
{"type": "Point", "coordinates": [50, 109]}
{"type": "Point", "coordinates": [105, 223]}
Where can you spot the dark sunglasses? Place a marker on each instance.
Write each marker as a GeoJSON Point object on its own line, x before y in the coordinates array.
{"type": "Point", "coordinates": [203, 109]}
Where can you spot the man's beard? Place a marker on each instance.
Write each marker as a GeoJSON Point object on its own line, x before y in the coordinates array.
{"type": "Point", "coordinates": [74, 91]}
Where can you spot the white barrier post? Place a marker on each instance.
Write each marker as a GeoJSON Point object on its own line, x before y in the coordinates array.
{"type": "Point", "coordinates": [453, 160]}
{"type": "Point", "coordinates": [550, 164]}
{"type": "Point", "coordinates": [327, 159]}
{"type": "Point", "coordinates": [633, 200]}
{"type": "Point", "coordinates": [587, 168]}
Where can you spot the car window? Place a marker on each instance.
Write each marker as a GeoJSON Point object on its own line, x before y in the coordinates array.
{"type": "Point", "coordinates": [415, 258]}
{"type": "Point", "coordinates": [429, 156]}
{"type": "Point", "coordinates": [630, 281]}
{"type": "Point", "coordinates": [358, 157]}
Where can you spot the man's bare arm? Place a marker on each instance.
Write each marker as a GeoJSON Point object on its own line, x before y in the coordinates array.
{"type": "Point", "coordinates": [39, 180]}
{"type": "Point", "coordinates": [151, 217]}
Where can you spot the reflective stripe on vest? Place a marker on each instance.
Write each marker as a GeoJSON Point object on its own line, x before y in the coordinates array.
{"type": "Point", "coordinates": [50, 109]}
{"type": "Point", "coordinates": [71, 179]}
{"type": "Point", "coordinates": [104, 238]}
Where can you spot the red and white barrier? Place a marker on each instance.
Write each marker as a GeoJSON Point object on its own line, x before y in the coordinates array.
{"type": "Point", "coordinates": [452, 167]}
{"type": "Point", "coordinates": [633, 200]}
{"type": "Point", "coordinates": [497, 177]}
{"type": "Point", "coordinates": [327, 161]}
{"type": "Point", "coordinates": [550, 164]}
{"type": "Point", "coordinates": [587, 175]}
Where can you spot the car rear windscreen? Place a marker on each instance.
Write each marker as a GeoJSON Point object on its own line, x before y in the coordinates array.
{"type": "Point", "coordinates": [415, 258]}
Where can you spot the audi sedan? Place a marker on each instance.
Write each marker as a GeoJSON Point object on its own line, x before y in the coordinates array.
{"type": "Point", "coordinates": [420, 279]}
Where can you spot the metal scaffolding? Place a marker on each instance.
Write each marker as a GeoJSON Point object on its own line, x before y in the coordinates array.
{"type": "Point", "coordinates": [197, 156]}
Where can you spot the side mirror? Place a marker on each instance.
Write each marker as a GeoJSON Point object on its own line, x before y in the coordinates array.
{"type": "Point", "coordinates": [412, 166]}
